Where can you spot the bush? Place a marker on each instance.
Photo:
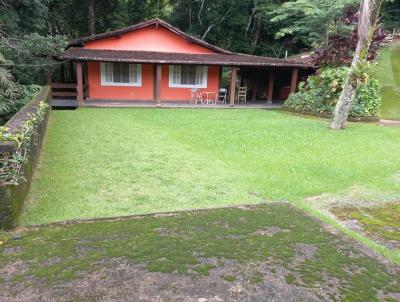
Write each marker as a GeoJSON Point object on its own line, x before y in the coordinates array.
{"type": "Point", "coordinates": [25, 93]}
{"type": "Point", "coordinates": [320, 93]}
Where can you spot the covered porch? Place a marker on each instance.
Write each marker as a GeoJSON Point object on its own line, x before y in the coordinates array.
{"type": "Point", "coordinates": [249, 81]}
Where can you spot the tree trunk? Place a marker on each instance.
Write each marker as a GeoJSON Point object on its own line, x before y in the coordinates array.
{"type": "Point", "coordinates": [258, 22]}
{"type": "Point", "coordinates": [92, 18]}
{"type": "Point", "coordinates": [253, 12]}
{"type": "Point", "coordinates": [219, 22]}
{"type": "Point", "coordinates": [200, 12]}
{"type": "Point", "coordinates": [345, 102]}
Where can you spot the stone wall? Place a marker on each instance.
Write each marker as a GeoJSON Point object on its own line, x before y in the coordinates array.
{"type": "Point", "coordinates": [12, 196]}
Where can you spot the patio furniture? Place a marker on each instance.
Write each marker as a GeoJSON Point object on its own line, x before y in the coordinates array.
{"type": "Point", "coordinates": [195, 96]}
{"type": "Point", "coordinates": [242, 94]}
{"type": "Point", "coordinates": [210, 97]}
{"type": "Point", "coordinates": [221, 97]}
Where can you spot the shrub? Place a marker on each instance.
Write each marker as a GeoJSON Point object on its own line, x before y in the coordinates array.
{"type": "Point", "coordinates": [320, 93]}
{"type": "Point", "coordinates": [25, 93]}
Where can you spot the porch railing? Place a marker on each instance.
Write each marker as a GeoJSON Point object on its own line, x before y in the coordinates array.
{"type": "Point", "coordinates": [60, 90]}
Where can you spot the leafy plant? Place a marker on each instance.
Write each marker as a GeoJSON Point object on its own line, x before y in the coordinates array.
{"type": "Point", "coordinates": [320, 93]}
{"type": "Point", "coordinates": [12, 163]}
{"type": "Point", "coordinates": [8, 88]}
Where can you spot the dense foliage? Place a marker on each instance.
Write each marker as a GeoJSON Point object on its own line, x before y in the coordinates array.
{"type": "Point", "coordinates": [391, 14]}
{"type": "Point", "coordinates": [12, 95]}
{"type": "Point", "coordinates": [339, 47]}
{"type": "Point", "coordinates": [320, 93]}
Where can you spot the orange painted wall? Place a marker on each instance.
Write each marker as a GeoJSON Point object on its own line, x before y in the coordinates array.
{"type": "Point", "coordinates": [146, 91]}
{"type": "Point", "coordinates": [149, 39]}
{"type": "Point", "coordinates": [181, 94]}
{"type": "Point", "coordinates": [97, 91]}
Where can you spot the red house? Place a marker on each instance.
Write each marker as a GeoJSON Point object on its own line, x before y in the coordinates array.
{"type": "Point", "coordinates": [156, 62]}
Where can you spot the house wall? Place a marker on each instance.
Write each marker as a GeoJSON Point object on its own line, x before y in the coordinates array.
{"type": "Point", "coordinates": [149, 39]}
{"type": "Point", "coordinates": [97, 91]}
{"type": "Point", "coordinates": [146, 91]}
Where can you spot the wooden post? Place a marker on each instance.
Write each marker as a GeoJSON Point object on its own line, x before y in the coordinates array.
{"type": "Point", "coordinates": [158, 84]}
{"type": "Point", "coordinates": [254, 94]}
{"type": "Point", "coordinates": [220, 78]}
{"type": "Point", "coordinates": [86, 80]}
{"type": "Point", "coordinates": [271, 87]}
{"type": "Point", "coordinates": [48, 78]}
{"type": "Point", "coordinates": [79, 81]}
{"type": "Point", "coordinates": [295, 75]}
{"type": "Point", "coordinates": [233, 86]}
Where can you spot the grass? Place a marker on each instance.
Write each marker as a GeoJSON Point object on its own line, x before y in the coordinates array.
{"type": "Point", "coordinates": [388, 73]}
{"type": "Point", "coordinates": [185, 244]}
{"type": "Point", "coordinates": [117, 162]}
{"type": "Point", "coordinates": [111, 162]}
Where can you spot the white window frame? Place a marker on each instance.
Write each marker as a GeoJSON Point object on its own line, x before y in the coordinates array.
{"type": "Point", "coordinates": [174, 85]}
{"type": "Point", "coordinates": [138, 83]}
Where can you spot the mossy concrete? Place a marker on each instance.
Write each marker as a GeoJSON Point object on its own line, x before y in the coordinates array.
{"type": "Point", "coordinates": [235, 254]}
{"type": "Point", "coordinates": [381, 222]}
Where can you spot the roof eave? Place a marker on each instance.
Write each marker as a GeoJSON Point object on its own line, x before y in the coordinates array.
{"type": "Point", "coordinates": [187, 62]}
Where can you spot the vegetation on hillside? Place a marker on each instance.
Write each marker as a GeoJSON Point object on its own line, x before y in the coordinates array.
{"type": "Point", "coordinates": [387, 72]}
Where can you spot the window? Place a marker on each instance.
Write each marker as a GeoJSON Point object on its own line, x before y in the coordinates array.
{"type": "Point", "coordinates": [188, 76]}
{"type": "Point", "coordinates": [121, 74]}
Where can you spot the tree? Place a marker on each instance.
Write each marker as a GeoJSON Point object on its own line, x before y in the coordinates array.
{"type": "Point", "coordinates": [369, 12]}
{"type": "Point", "coordinates": [390, 13]}
{"type": "Point", "coordinates": [312, 22]}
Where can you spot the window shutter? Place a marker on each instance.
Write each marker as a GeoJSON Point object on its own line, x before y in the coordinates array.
{"type": "Point", "coordinates": [176, 74]}
{"type": "Point", "coordinates": [108, 72]}
{"type": "Point", "coordinates": [133, 73]}
{"type": "Point", "coordinates": [199, 75]}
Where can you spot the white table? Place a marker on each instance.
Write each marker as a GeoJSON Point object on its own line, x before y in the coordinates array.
{"type": "Point", "coordinates": [209, 98]}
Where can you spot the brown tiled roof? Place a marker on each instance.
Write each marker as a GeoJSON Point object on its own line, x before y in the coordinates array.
{"type": "Point", "coordinates": [231, 59]}
{"type": "Point", "coordinates": [152, 22]}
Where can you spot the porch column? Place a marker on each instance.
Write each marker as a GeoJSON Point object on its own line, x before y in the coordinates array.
{"type": "Point", "coordinates": [295, 75]}
{"type": "Point", "coordinates": [158, 85]}
{"type": "Point", "coordinates": [79, 87]}
{"type": "Point", "coordinates": [254, 95]}
{"type": "Point", "coordinates": [271, 87]}
{"type": "Point", "coordinates": [48, 78]}
{"type": "Point", "coordinates": [233, 86]}
{"type": "Point", "coordinates": [220, 78]}
{"type": "Point", "coordinates": [86, 80]}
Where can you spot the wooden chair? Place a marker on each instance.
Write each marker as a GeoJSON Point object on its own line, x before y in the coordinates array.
{"type": "Point", "coordinates": [195, 96]}
{"type": "Point", "coordinates": [221, 96]}
{"type": "Point", "coordinates": [242, 94]}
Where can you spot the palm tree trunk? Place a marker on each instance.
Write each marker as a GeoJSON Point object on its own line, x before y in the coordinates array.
{"type": "Point", "coordinates": [345, 102]}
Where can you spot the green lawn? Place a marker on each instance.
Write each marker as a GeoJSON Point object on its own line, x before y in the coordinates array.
{"type": "Point", "coordinates": [109, 162]}
{"type": "Point", "coordinates": [388, 73]}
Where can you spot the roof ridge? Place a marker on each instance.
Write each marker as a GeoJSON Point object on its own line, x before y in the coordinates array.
{"type": "Point", "coordinates": [81, 41]}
